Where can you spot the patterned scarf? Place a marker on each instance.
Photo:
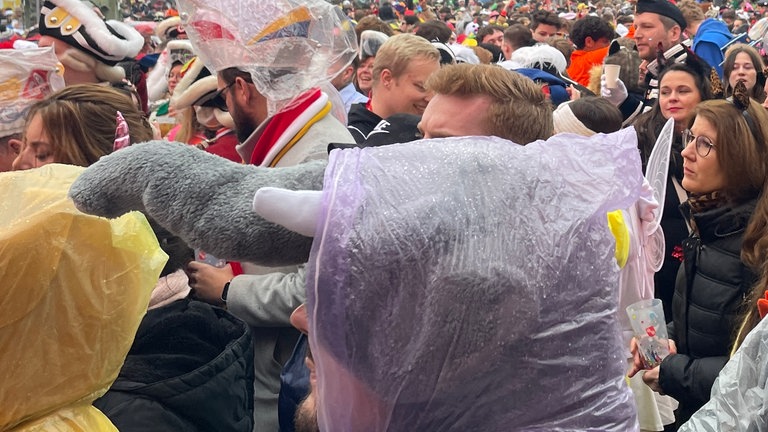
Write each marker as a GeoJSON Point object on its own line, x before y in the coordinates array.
{"type": "Point", "coordinates": [699, 203]}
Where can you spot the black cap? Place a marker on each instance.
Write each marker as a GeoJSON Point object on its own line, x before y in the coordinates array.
{"type": "Point", "coordinates": [661, 7]}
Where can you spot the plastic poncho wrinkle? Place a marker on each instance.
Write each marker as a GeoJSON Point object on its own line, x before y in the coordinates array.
{"type": "Point", "coordinates": [75, 289]}
{"type": "Point", "coordinates": [739, 400]}
{"type": "Point", "coordinates": [469, 284]}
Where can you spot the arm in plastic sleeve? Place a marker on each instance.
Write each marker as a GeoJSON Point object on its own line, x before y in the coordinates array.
{"type": "Point", "coordinates": [202, 198]}
{"type": "Point", "coordinates": [689, 380]}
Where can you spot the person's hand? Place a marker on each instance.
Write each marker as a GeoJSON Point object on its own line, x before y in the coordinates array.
{"type": "Point", "coordinates": [615, 96]}
{"type": "Point", "coordinates": [651, 379]}
{"type": "Point", "coordinates": [637, 361]}
{"type": "Point", "coordinates": [573, 93]}
{"type": "Point", "coordinates": [156, 133]}
{"type": "Point", "coordinates": [207, 282]}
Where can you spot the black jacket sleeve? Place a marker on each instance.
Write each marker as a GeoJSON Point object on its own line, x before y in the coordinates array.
{"type": "Point", "coordinates": [689, 380]}
{"type": "Point", "coordinates": [630, 108]}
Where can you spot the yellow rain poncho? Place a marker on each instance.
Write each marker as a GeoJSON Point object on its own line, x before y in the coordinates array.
{"type": "Point", "coordinates": [73, 291]}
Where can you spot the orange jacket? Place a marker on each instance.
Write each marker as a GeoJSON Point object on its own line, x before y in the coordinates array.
{"type": "Point", "coordinates": [582, 62]}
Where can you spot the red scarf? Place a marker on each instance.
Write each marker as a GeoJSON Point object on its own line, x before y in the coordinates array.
{"type": "Point", "coordinates": [280, 122]}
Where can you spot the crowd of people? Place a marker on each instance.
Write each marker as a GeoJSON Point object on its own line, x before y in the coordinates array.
{"type": "Point", "coordinates": [273, 94]}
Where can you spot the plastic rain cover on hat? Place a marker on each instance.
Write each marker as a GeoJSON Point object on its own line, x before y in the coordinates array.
{"type": "Point", "coordinates": [288, 46]}
{"type": "Point", "coordinates": [458, 290]}
{"type": "Point", "coordinates": [75, 288]}
{"type": "Point", "coordinates": [370, 42]}
{"type": "Point", "coordinates": [26, 76]}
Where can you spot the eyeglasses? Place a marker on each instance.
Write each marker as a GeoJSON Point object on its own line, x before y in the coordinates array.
{"type": "Point", "coordinates": [218, 100]}
{"type": "Point", "coordinates": [704, 145]}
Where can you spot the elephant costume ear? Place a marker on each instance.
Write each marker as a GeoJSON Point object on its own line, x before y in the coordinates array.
{"type": "Point", "coordinates": [298, 211]}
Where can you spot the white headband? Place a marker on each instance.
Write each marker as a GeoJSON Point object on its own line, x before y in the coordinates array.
{"type": "Point", "coordinates": [566, 121]}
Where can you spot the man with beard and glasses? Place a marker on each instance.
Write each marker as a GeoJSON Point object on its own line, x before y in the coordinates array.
{"type": "Point", "coordinates": [273, 86]}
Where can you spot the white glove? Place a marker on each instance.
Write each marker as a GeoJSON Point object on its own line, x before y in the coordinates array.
{"type": "Point", "coordinates": [616, 95]}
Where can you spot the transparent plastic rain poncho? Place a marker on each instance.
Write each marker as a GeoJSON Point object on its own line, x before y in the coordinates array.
{"type": "Point", "coordinates": [739, 400]}
{"type": "Point", "coordinates": [74, 289]}
{"type": "Point", "coordinates": [288, 46]}
{"type": "Point", "coordinates": [26, 76]}
{"type": "Point", "coordinates": [469, 284]}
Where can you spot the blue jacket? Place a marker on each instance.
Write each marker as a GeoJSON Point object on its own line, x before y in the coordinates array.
{"type": "Point", "coordinates": [709, 41]}
{"type": "Point", "coordinates": [557, 92]}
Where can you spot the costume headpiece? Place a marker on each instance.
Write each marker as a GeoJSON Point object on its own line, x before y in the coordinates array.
{"type": "Point", "coordinates": [169, 28]}
{"type": "Point", "coordinates": [77, 24]}
{"type": "Point", "coordinates": [196, 82]}
{"type": "Point", "coordinates": [26, 77]}
{"type": "Point", "coordinates": [370, 42]}
{"type": "Point", "coordinates": [740, 100]}
{"type": "Point", "coordinates": [287, 46]}
{"type": "Point", "coordinates": [696, 64]}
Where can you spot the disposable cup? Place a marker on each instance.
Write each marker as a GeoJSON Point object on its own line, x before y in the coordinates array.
{"type": "Point", "coordinates": [611, 75]}
{"type": "Point", "coordinates": [166, 123]}
{"type": "Point", "coordinates": [647, 319]}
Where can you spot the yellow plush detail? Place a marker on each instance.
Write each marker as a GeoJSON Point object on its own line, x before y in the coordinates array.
{"type": "Point", "coordinates": [618, 227]}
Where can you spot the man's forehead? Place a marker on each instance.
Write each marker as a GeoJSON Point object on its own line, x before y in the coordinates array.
{"type": "Point", "coordinates": [647, 17]}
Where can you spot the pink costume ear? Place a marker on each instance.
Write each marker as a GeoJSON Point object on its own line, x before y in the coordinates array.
{"type": "Point", "coordinates": [298, 211]}
{"type": "Point", "coordinates": [122, 135]}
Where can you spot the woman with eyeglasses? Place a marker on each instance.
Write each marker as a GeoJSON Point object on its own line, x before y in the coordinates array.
{"type": "Point", "coordinates": [681, 88]}
{"type": "Point", "coordinates": [724, 171]}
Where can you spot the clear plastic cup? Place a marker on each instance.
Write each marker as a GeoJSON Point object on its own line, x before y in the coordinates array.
{"type": "Point", "coordinates": [650, 328]}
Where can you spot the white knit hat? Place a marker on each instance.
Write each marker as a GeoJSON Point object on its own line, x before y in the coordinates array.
{"type": "Point", "coordinates": [565, 121]}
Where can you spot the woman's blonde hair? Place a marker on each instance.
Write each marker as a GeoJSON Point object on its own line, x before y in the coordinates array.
{"type": "Point", "coordinates": [80, 121]}
{"type": "Point", "coordinates": [399, 51]}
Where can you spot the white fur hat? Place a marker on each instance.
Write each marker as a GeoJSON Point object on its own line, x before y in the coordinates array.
{"type": "Point", "coordinates": [165, 29]}
{"type": "Point", "coordinates": [196, 82]}
{"type": "Point", "coordinates": [77, 24]}
{"type": "Point", "coordinates": [538, 56]}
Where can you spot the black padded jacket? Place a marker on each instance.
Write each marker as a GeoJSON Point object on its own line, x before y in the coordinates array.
{"type": "Point", "coordinates": [711, 287]}
{"type": "Point", "coordinates": [189, 369]}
